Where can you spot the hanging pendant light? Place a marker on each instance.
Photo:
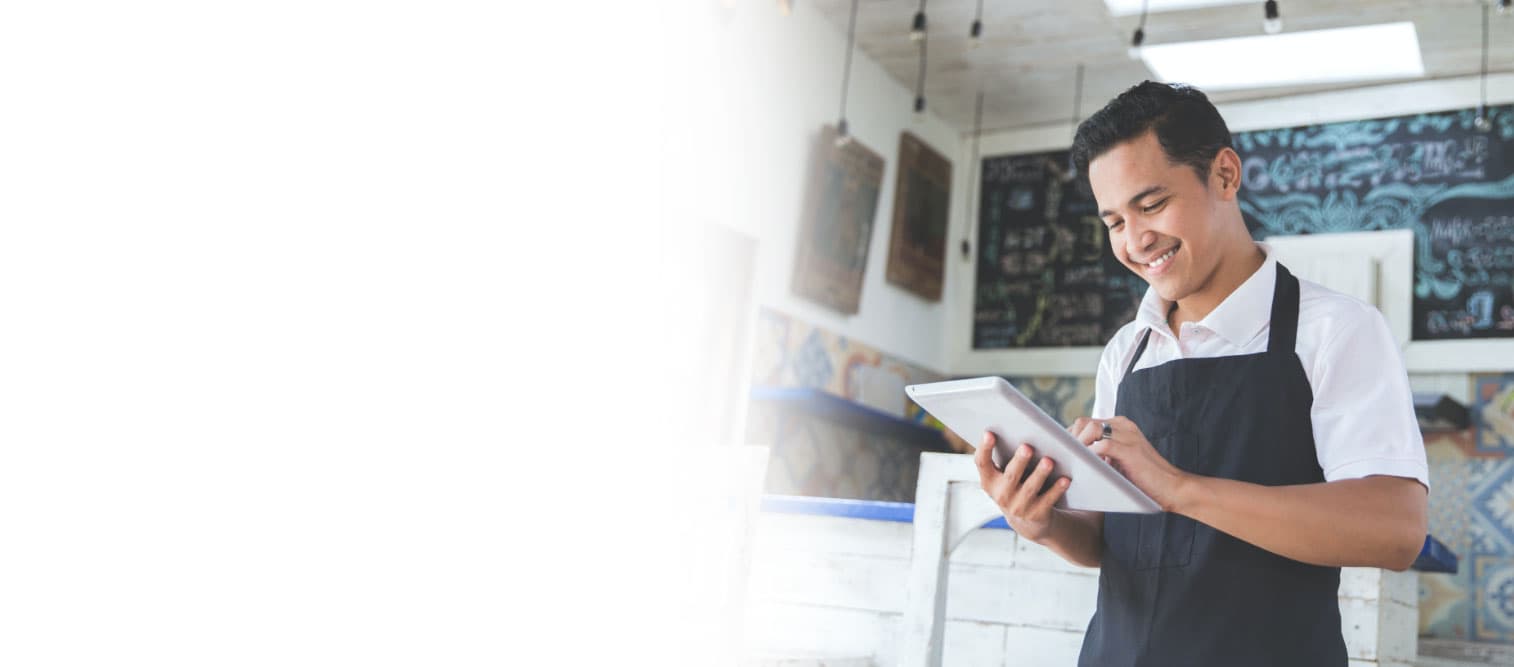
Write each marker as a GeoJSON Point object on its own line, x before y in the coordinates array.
{"type": "Point", "coordinates": [975, 33]}
{"type": "Point", "coordinates": [843, 135]}
{"type": "Point", "coordinates": [1272, 21]}
{"type": "Point", "coordinates": [917, 27]}
{"type": "Point", "coordinates": [1139, 36]}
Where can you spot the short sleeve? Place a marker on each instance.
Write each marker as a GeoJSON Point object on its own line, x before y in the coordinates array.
{"type": "Point", "coordinates": [1363, 413]}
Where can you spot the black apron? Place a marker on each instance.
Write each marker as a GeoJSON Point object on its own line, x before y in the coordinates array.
{"type": "Point", "coordinates": [1176, 592]}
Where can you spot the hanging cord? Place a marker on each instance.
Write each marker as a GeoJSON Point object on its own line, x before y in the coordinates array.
{"type": "Point", "coordinates": [975, 33]}
{"type": "Point", "coordinates": [1077, 106]}
{"type": "Point", "coordinates": [977, 166]}
{"type": "Point", "coordinates": [846, 70]}
{"type": "Point", "coordinates": [1077, 100]}
{"type": "Point", "coordinates": [920, 78]}
{"type": "Point", "coordinates": [1482, 104]}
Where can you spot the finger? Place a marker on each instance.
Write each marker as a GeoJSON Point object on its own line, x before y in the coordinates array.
{"type": "Point", "coordinates": [1104, 448]}
{"type": "Point", "coordinates": [1049, 499]}
{"type": "Point", "coordinates": [984, 460]}
{"type": "Point", "coordinates": [1016, 468]}
{"type": "Point", "coordinates": [1124, 425]}
{"type": "Point", "coordinates": [1026, 496]}
{"type": "Point", "coordinates": [1091, 432]}
{"type": "Point", "coordinates": [1077, 425]}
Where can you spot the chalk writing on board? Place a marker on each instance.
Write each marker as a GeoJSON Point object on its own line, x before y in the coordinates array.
{"type": "Point", "coordinates": [1434, 174]}
{"type": "Point", "coordinates": [1042, 269]}
{"type": "Point", "coordinates": [1044, 250]}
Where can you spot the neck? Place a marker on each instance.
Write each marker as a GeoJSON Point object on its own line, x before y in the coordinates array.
{"type": "Point", "coordinates": [1233, 270]}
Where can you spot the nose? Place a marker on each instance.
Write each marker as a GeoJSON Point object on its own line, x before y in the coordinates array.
{"type": "Point", "coordinates": [1138, 239]}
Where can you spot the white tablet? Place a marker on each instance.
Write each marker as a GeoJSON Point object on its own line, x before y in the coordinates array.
{"type": "Point", "coordinates": [970, 407]}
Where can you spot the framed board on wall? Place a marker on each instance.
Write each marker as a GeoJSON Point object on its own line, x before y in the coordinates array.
{"type": "Point", "coordinates": [922, 194]}
{"type": "Point", "coordinates": [1434, 174]}
{"type": "Point", "coordinates": [838, 222]}
{"type": "Point", "coordinates": [1045, 276]}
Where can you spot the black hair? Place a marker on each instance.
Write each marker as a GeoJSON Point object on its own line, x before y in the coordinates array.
{"type": "Point", "coordinates": [1187, 126]}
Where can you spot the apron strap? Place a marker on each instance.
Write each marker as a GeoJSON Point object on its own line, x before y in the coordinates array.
{"type": "Point", "coordinates": [1283, 330]}
{"type": "Point", "coordinates": [1145, 338]}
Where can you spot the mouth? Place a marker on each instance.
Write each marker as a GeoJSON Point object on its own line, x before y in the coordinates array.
{"type": "Point", "coordinates": [1159, 264]}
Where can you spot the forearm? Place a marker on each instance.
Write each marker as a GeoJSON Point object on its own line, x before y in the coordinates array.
{"type": "Point", "coordinates": [1077, 536]}
{"type": "Point", "coordinates": [1372, 522]}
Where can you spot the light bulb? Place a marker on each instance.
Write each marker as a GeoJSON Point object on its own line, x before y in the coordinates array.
{"type": "Point", "coordinates": [1483, 123]}
{"type": "Point", "coordinates": [975, 36]}
{"type": "Point", "coordinates": [917, 29]}
{"type": "Point", "coordinates": [842, 137]}
{"type": "Point", "coordinates": [919, 105]}
{"type": "Point", "coordinates": [1135, 44]}
{"type": "Point", "coordinates": [1273, 23]}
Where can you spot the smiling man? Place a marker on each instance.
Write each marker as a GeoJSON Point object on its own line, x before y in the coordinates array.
{"type": "Point", "coordinates": [1269, 416]}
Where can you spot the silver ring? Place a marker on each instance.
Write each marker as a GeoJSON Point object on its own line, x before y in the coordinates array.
{"type": "Point", "coordinates": [1108, 433]}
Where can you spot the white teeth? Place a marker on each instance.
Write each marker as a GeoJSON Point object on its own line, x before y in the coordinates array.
{"type": "Point", "coordinates": [1163, 259]}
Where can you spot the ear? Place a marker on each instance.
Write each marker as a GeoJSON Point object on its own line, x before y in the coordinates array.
{"type": "Point", "coordinates": [1225, 173]}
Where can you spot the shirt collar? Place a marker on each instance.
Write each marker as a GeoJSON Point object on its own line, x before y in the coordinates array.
{"type": "Point", "coordinates": [1238, 318]}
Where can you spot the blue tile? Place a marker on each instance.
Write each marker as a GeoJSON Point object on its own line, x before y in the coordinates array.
{"type": "Point", "coordinates": [1493, 610]}
{"type": "Point", "coordinates": [1492, 500]}
{"type": "Point", "coordinates": [812, 364]}
{"type": "Point", "coordinates": [1485, 390]}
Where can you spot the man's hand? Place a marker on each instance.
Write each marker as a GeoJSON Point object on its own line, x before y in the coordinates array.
{"type": "Point", "coordinates": [1028, 511]}
{"type": "Point", "coordinates": [1132, 455]}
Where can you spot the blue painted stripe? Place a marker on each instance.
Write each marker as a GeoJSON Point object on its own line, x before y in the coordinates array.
{"type": "Point", "coordinates": [1433, 557]}
{"type": "Point", "coordinates": [874, 510]}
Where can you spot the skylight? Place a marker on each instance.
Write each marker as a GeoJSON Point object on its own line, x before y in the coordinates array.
{"type": "Point", "coordinates": [1133, 7]}
{"type": "Point", "coordinates": [1361, 53]}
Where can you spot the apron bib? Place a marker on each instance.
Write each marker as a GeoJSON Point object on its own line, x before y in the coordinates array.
{"type": "Point", "coordinates": [1175, 592]}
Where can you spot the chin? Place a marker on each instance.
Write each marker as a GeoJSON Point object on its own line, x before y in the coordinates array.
{"type": "Point", "coordinates": [1169, 290]}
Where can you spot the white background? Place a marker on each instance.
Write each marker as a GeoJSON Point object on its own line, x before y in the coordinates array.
{"type": "Point", "coordinates": [275, 280]}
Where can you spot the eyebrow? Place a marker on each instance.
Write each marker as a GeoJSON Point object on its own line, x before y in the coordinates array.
{"type": "Point", "coordinates": [1136, 199]}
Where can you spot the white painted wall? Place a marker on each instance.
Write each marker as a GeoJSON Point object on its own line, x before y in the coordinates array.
{"type": "Point", "coordinates": [1370, 102]}
{"type": "Point", "coordinates": [765, 84]}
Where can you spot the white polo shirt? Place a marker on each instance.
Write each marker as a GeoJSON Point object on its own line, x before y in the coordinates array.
{"type": "Point", "coordinates": [1363, 412]}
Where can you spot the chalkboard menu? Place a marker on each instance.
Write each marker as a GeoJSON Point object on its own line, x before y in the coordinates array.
{"type": "Point", "coordinates": [1046, 277]}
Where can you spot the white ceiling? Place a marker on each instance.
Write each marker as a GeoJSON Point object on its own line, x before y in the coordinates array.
{"type": "Point", "coordinates": [1027, 62]}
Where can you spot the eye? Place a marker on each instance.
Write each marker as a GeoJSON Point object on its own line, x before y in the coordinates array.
{"type": "Point", "coordinates": [1154, 207]}
{"type": "Point", "coordinates": [1116, 225]}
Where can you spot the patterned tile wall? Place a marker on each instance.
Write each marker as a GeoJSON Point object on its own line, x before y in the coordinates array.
{"type": "Point", "coordinates": [1065, 398]}
{"type": "Point", "coordinates": [1472, 512]}
{"type": "Point", "coordinates": [816, 457]}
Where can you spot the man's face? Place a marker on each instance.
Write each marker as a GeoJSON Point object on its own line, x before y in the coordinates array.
{"type": "Point", "coordinates": [1160, 217]}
